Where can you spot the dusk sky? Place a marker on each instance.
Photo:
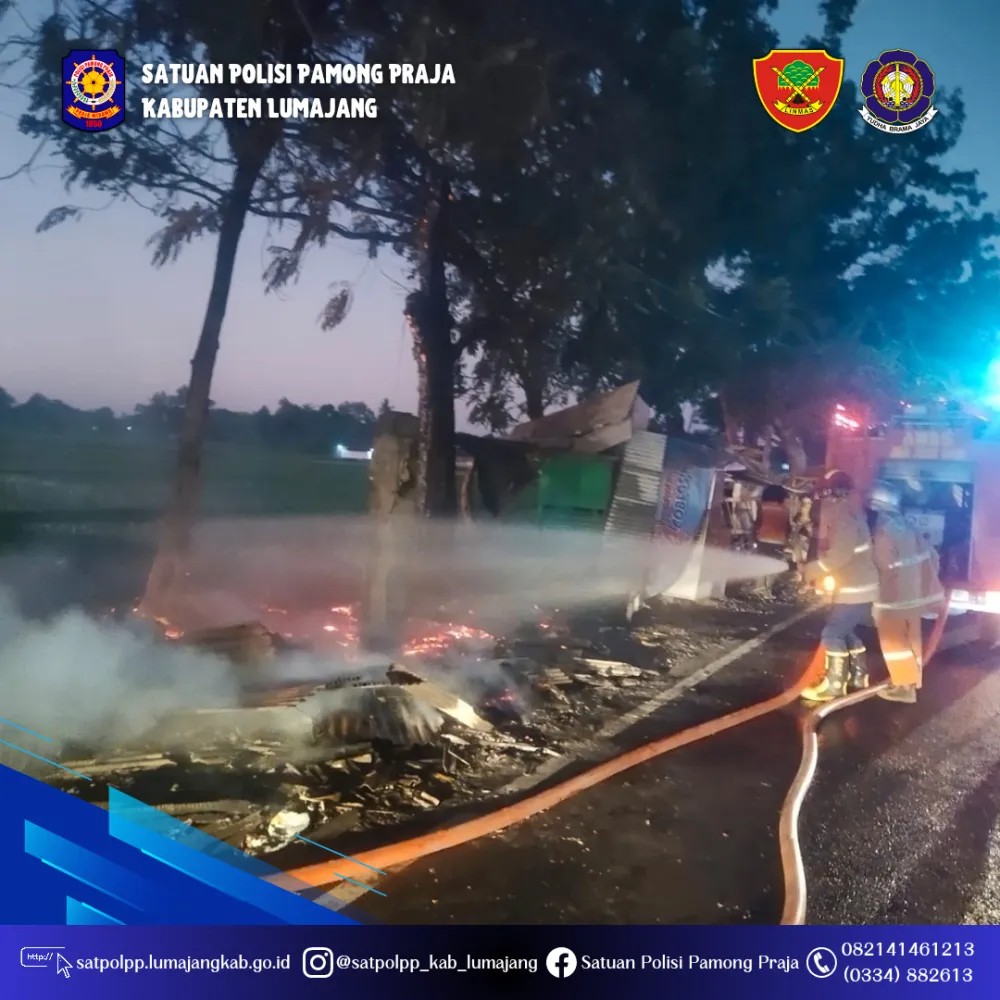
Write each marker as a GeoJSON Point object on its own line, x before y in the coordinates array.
{"type": "Point", "coordinates": [88, 320]}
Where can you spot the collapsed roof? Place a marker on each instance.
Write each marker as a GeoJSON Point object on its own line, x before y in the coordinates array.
{"type": "Point", "coordinates": [599, 423]}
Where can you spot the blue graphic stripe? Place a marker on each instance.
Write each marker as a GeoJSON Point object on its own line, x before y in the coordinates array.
{"type": "Point", "coordinates": [346, 857]}
{"type": "Point", "coordinates": [85, 866]}
{"type": "Point", "coordinates": [153, 833]}
{"type": "Point", "coordinates": [80, 914]}
{"type": "Point", "coordinates": [24, 729]}
{"type": "Point", "coordinates": [158, 822]}
{"type": "Point", "coordinates": [46, 760]}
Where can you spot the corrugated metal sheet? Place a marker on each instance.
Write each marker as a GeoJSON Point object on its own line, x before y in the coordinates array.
{"type": "Point", "coordinates": [385, 712]}
{"type": "Point", "coordinates": [602, 410]}
{"type": "Point", "coordinates": [637, 493]}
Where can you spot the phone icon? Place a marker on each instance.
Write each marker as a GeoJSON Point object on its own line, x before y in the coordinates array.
{"type": "Point", "coordinates": [821, 963]}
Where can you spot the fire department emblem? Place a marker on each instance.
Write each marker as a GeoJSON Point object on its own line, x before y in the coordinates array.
{"type": "Point", "coordinates": [798, 87]}
{"type": "Point", "coordinates": [897, 88]}
{"type": "Point", "coordinates": [93, 90]}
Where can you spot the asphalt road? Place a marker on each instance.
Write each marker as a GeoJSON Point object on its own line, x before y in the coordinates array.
{"type": "Point", "coordinates": [901, 824]}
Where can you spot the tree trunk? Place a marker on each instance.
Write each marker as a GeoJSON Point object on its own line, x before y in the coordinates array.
{"type": "Point", "coordinates": [791, 442]}
{"type": "Point", "coordinates": [178, 521]}
{"type": "Point", "coordinates": [429, 318]}
{"type": "Point", "coordinates": [534, 399]}
{"type": "Point", "coordinates": [730, 426]}
{"type": "Point", "coordinates": [767, 445]}
{"type": "Point", "coordinates": [533, 376]}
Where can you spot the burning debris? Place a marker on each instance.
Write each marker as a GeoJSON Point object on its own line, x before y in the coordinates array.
{"type": "Point", "coordinates": [437, 698]}
{"type": "Point", "coordinates": [449, 640]}
{"type": "Point", "coordinates": [444, 726]}
{"type": "Point", "coordinates": [458, 717]}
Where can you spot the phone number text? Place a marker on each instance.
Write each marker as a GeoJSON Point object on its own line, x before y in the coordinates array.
{"type": "Point", "coordinates": [894, 974]}
{"type": "Point", "coordinates": [907, 949]}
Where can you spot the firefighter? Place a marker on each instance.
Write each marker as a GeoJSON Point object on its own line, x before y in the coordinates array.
{"type": "Point", "coordinates": [909, 588]}
{"type": "Point", "coordinates": [846, 571]}
{"type": "Point", "coordinates": [800, 538]}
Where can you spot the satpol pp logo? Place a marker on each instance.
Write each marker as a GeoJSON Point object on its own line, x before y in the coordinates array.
{"type": "Point", "coordinates": [317, 963]}
{"type": "Point", "coordinates": [561, 962]}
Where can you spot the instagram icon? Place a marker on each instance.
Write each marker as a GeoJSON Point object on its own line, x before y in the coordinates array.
{"type": "Point", "coordinates": [317, 963]}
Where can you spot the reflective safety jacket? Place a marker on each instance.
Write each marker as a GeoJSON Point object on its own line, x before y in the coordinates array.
{"type": "Point", "coordinates": [845, 553]}
{"type": "Point", "coordinates": [907, 568]}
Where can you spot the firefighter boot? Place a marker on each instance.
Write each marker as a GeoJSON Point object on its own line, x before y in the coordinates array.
{"type": "Point", "coordinates": [834, 682]}
{"type": "Point", "coordinates": [857, 675]}
{"type": "Point", "coordinates": [905, 694]}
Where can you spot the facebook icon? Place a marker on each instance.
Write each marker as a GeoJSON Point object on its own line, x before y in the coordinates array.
{"type": "Point", "coordinates": [561, 962]}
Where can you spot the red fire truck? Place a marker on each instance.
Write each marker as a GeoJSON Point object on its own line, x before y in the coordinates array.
{"type": "Point", "coordinates": [945, 461]}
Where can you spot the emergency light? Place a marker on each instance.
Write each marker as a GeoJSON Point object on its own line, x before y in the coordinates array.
{"type": "Point", "coordinates": [993, 385]}
{"type": "Point", "coordinates": [841, 418]}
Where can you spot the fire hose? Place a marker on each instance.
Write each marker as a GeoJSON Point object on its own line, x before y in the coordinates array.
{"type": "Point", "coordinates": [404, 852]}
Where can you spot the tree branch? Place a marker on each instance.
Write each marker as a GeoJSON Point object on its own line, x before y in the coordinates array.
{"type": "Point", "coordinates": [28, 164]}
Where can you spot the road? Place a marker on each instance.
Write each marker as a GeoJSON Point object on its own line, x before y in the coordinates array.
{"type": "Point", "coordinates": [901, 824]}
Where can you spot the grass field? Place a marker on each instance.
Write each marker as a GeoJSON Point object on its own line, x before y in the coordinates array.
{"type": "Point", "coordinates": [89, 477]}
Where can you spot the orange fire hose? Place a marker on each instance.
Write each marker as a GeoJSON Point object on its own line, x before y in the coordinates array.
{"type": "Point", "coordinates": [405, 851]}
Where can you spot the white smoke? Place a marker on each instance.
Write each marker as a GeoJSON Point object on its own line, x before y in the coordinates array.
{"type": "Point", "coordinates": [77, 680]}
{"type": "Point", "coordinates": [496, 571]}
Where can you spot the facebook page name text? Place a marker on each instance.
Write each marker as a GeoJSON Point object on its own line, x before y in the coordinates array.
{"type": "Point", "coordinates": [663, 963]}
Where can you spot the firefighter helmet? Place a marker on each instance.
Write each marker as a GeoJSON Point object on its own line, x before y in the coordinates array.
{"type": "Point", "coordinates": [834, 483]}
{"type": "Point", "coordinates": [884, 497]}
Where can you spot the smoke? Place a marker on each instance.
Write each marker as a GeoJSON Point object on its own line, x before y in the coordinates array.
{"type": "Point", "coordinates": [497, 572]}
{"type": "Point", "coordinates": [77, 681]}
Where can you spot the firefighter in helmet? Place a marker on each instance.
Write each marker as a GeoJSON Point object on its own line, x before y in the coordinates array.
{"type": "Point", "coordinates": [909, 588]}
{"type": "Point", "coordinates": [845, 570]}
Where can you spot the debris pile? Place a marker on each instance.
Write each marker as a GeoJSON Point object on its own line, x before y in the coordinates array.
{"type": "Point", "coordinates": [457, 718]}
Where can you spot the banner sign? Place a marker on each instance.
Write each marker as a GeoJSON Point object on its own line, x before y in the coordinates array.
{"type": "Point", "coordinates": [684, 500]}
{"type": "Point", "coordinates": [106, 902]}
{"type": "Point", "coordinates": [160, 963]}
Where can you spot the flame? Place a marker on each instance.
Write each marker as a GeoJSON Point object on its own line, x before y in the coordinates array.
{"type": "Point", "coordinates": [339, 625]}
{"type": "Point", "coordinates": [437, 642]}
{"type": "Point", "coordinates": [346, 630]}
{"type": "Point", "coordinates": [170, 630]}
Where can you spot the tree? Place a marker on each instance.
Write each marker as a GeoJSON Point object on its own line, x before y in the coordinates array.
{"type": "Point", "coordinates": [164, 413]}
{"type": "Point", "coordinates": [814, 237]}
{"type": "Point", "coordinates": [527, 274]}
{"type": "Point", "coordinates": [105, 421]}
{"type": "Point", "coordinates": [888, 295]}
{"type": "Point", "coordinates": [627, 232]}
{"type": "Point", "coordinates": [359, 412]}
{"type": "Point", "coordinates": [204, 179]}
{"type": "Point", "coordinates": [438, 158]}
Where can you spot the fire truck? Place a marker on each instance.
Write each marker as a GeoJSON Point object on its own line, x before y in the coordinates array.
{"type": "Point", "coordinates": [945, 462]}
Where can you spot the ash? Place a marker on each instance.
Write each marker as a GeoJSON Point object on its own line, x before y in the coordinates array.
{"type": "Point", "coordinates": [458, 722]}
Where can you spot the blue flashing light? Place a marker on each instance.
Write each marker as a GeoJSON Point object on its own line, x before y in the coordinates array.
{"type": "Point", "coordinates": [993, 385]}
{"type": "Point", "coordinates": [993, 377]}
